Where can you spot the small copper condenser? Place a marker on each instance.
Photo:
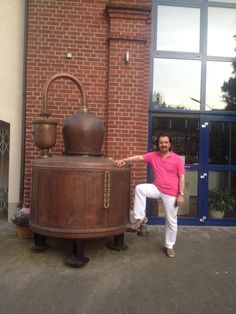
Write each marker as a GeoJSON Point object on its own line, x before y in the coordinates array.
{"type": "Point", "coordinates": [81, 194]}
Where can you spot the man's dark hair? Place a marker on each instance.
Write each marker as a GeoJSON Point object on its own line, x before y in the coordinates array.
{"type": "Point", "coordinates": [163, 135]}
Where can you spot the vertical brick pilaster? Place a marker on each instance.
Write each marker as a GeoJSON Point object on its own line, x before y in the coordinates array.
{"type": "Point", "coordinates": [127, 122]}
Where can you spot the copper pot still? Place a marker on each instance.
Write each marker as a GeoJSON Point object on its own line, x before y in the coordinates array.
{"type": "Point", "coordinates": [81, 194]}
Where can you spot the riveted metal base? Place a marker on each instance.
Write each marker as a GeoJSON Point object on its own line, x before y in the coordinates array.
{"type": "Point", "coordinates": [118, 243]}
{"type": "Point", "coordinates": [76, 262]}
{"type": "Point", "coordinates": [77, 259]}
{"type": "Point", "coordinates": [40, 244]}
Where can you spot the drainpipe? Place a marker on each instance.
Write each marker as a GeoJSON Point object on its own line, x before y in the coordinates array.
{"type": "Point", "coordinates": [22, 172]}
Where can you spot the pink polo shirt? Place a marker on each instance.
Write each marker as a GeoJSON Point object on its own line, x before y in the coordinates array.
{"type": "Point", "coordinates": [166, 171]}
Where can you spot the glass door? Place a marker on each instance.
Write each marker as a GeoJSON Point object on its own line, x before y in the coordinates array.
{"type": "Point", "coordinates": [207, 144]}
{"type": "Point", "coordinates": [217, 170]}
{"type": "Point", "coordinates": [184, 130]}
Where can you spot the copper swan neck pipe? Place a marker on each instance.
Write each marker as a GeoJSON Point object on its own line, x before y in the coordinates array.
{"type": "Point", "coordinates": [45, 111]}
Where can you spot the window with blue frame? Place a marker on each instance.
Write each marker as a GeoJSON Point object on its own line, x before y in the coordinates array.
{"type": "Point", "coordinates": [193, 77]}
{"type": "Point", "coordinates": [193, 52]}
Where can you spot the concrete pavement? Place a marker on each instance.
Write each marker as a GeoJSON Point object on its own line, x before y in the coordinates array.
{"type": "Point", "coordinates": [141, 280]}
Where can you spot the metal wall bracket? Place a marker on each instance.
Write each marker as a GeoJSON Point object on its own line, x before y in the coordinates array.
{"type": "Point", "coordinates": [204, 125]}
{"type": "Point", "coordinates": [202, 219]}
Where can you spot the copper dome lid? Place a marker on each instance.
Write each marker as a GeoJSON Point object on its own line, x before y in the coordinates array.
{"type": "Point", "coordinates": [83, 134]}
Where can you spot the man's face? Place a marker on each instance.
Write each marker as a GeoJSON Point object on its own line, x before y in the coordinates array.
{"type": "Point", "coordinates": [164, 144]}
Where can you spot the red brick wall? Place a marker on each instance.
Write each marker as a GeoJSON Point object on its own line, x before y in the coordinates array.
{"type": "Point", "coordinates": [97, 35]}
{"type": "Point", "coordinates": [128, 84]}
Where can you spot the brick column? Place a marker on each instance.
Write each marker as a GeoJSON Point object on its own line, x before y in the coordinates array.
{"type": "Point", "coordinates": [127, 121]}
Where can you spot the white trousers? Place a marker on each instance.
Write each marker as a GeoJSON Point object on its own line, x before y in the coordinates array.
{"type": "Point", "coordinates": [142, 191]}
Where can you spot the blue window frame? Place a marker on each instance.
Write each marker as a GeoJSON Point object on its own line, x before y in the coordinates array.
{"type": "Point", "coordinates": [191, 60]}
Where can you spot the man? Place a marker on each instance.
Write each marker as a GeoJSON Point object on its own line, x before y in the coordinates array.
{"type": "Point", "coordinates": [168, 184]}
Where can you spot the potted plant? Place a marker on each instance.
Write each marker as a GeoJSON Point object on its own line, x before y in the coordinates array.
{"type": "Point", "coordinates": [21, 220]}
{"type": "Point", "coordinates": [220, 202]}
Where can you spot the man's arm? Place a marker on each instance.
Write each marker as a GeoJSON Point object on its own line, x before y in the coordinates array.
{"type": "Point", "coordinates": [180, 198]}
{"type": "Point", "coordinates": [181, 183]}
{"type": "Point", "coordinates": [122, 162]}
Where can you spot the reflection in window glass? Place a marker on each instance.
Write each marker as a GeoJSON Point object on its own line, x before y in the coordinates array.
{"type": "Point", "coordinates": [184, 132]}
{"type": "Point", "coordinates": [190, 207]}
{"type": "Point", "coordinates": [178, 28]}
{"type": "Point", "coordinates": [222, 143]}
{"type": "Point", "coordinates": [217, 74]}
{"type": "Point", "coordinates": [228, 1]}
{"type": "Point", "coordinates": [221, 29]}
{"type": "Point", "coordinates": [176, 83]}
{"type": "Point", "coordinates": [221, 184]}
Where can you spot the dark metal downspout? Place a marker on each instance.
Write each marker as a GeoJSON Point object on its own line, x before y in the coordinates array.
{"type": "Point", "coordinates": [22, 172]}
